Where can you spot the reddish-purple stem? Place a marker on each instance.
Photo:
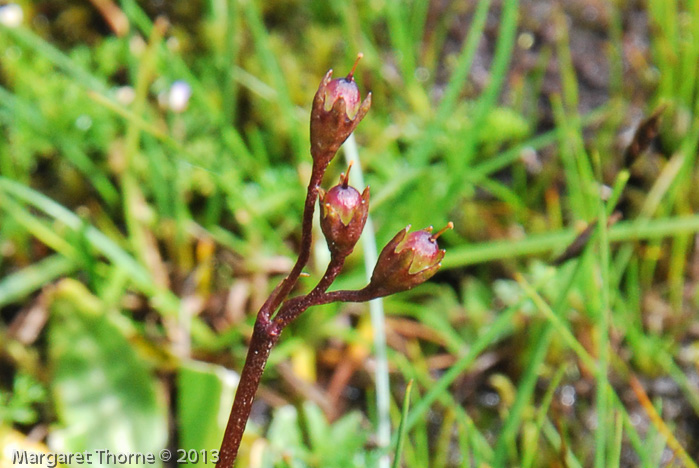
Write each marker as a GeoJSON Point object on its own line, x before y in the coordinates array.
{"type": "Point", "coordinates": [289, 282]}
{"type": "Point", "coordinates": [264, 337]}
{"type": "Point", "coordinates": [292, 308]}
{"type": "Point", "coordinates": [261, 344]}
{"type": "Point", "coordinates": [266, 333]}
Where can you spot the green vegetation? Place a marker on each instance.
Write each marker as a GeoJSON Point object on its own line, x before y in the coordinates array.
{"type": "Point", "coordinates": [138, 238]}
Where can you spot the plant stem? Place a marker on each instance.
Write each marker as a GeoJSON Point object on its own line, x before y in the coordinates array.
{"type": "Point", "coordinates": [365, 294]}
{"type": "Point", "coordinates": [265, 335]}
{"type": "Point", "coordinates": [289, 282]}
{"type": "Point", "coordinates": [261, 343]}
{"type": "Point", "coordinates": [377, 317]}
{"type": "Point", "coordinates": [296, 306]}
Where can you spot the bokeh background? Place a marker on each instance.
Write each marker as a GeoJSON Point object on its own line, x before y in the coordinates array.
{"type": "Point", "coordinates": [153, 163]}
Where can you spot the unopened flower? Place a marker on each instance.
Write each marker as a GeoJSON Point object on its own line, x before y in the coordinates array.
{"type": "Point", "coordinates": [343, 214]}
{"type": "Point", "coordinates": [407, 260]}
{"type": "Point", "coordinates": [345, 89]}
{"type": "Point", "coordinates": [337, 110]}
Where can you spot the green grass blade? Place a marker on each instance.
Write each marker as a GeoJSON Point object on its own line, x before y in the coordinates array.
{"type": "Point", "coordinates": [376, 310]}
{"type": "Point", "coordinates": [20, 284]}
{"type": "Point", "coordinates": [402, 427]}
{"type": "Point", "coordinates": [546, 243]}
{"type": "Point", "coordinates": [32, 41]}
{"type": "Point", "coordinates": [498, 328]}
{"type": "Point", "coordinates": [165, 300]}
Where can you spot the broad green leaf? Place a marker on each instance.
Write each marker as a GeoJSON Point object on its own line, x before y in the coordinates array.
{"type": "Point", "coordinates": [204, 398]}
{"type": "Point", "coordinates": [106, 398]}
{"type": "Point", "coordinates": [284, 433]}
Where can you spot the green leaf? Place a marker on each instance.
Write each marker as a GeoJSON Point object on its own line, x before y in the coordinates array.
{"type": "Point", "coordinates": [402, 428]}
{"type": "Point", "coordinates": [316, 426]}
{"type": "Point", "coordinates": [503, 124]}
{"type": "Point", "coordinates": [337, 445]}
{"type": "Point", "coordinates": [106, 397]}
{"type": "Point", "coordinates": [285, 437]}
{"type": "Point", "coordinates": [204, 399]}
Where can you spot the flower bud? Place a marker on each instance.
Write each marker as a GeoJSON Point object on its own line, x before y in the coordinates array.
{"type": "Point", "coordinates": [343, 213]}
{"type": "Point", "coordinates": [345, 89]}
{"type": "Point", "coordinates": [337, 110]}
{"type": "Point", "coordinates": [407, 260]}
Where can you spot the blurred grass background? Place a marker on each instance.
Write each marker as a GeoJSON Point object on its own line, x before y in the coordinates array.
{"type": "Point", "coordinates": [153, 160]}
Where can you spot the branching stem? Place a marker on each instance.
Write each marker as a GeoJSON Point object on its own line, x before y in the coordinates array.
{"type": "Point", "coordinates": [267, 330]}
{"type": "Point", "coordinates": [285, 287]}
{"type": "Point", "coordinates": [264, 337]}
{"type": "Point", "coordinates": [332, 121]}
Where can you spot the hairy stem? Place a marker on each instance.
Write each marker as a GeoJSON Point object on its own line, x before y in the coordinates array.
{"type": "Point", "coordinates": [365, 294]}
{"type": "Point", "coordinates": [264, 337]}
{"type": "Point", "coordinates": [261, 343]}
{"type": "Point", "coordinates": [296, 306]}
{"type": "Point", "coordinates": [289, 282]}
{"type": "Point", "coordinates": [265, 334]}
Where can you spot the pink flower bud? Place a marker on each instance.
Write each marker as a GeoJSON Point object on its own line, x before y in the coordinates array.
{"type": "Point", "coordinates": [407, 260]}
{"type": "Point", "coordinates": [337, 110]}
{"type": "Point", "coordinates": [345, 89]}
{"type": "Point", "coordinates": [343, 213]}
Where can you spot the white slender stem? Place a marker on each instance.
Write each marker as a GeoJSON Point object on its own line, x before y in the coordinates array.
{"type": "Point", "coordinates": [383, 392]}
